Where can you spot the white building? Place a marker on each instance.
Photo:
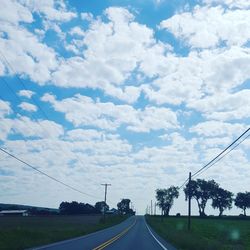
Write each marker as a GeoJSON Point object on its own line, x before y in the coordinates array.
{"type": "Point", "coordinates": [14, 213]}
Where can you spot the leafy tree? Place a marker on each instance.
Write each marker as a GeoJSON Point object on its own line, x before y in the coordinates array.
{"type": "Point", "coordinates": [201, 190]}
{"type": "Point", "coordinates": [76, 208]}
{"type": "Point", "coordinates": [242, 201]}
{"type": "Point", "coordinates": [165, 198]}
{"type": "Point", "coordinates": [100, 206]}
{"type": "Point", "coordinates": [123, 206]}
{"type": "Point", "coordinates": [222, 199]}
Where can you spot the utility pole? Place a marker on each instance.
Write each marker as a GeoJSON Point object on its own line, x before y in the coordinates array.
{"type": "Point", "coordinates": [105, 199]}
{"type": "Point", "coordinates": [151, 207]}
{"type": "Point", "coordinates": [189, 202]}
{"type": "Point", "coordinates": [155, 209]}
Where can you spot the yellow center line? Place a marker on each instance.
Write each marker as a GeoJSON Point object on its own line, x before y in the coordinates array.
{"type": "Point", "coordinates": [110, 241]}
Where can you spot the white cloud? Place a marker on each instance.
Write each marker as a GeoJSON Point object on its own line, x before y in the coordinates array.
{"type": "Point", "coordinates": [14, 12]}
{"type": "Point", "coordinates": [26, 54]}
{"type": "Point", "coordinates": [224, 106]}
{"type": "Point", "coordinates": [84, 135]}
{"type": "Point", "coordinates": [208, 27]}
{"type": "Point", "coordinates": [111, 52]}
{"type": "Point", "coordinates": [77, 31]}
{"type": "Point", "coordinates": [86, 16]}
{"type": "Point", "coordinates": [217, 128]}
{"type": "Point", "coordinates": [243, 4]}
{"type": "Point", "coordinates": [26, 93]}
{"type": "Point", "coordinates": [27, 128]}
{"type": "Point", "coordinates": [50, 9]}
{"type": "Point", "coordinates": [209, 72]}
{"type": "Point", "coordinates": [27, 107]}
{"type": "Point", "coordinates": [83, 111]}
{"type": "Point", "coordinates": [5, 109]}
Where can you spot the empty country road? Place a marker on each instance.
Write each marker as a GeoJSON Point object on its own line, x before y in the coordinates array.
{"type": "Point", "coordinates": [131, 234]}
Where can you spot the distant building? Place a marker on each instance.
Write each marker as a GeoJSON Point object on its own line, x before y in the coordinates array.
{"type": "Point", "coordinates": [112, 211]}
{"type": "Point", "coordinates": [14, 213]}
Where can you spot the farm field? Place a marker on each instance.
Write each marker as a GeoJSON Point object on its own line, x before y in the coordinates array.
{"type": "Point", "coordinates": [208, 233]}
{"type": "Point", "coordinates": [18, 233]}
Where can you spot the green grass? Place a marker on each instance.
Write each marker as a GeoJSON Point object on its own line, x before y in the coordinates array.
{"type": "Point", "coordinates": [18, 233]}
{"type": "Point", "coordinates": [205, 234]}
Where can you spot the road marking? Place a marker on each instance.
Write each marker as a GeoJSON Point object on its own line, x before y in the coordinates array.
{"type": "Point", "coordinates": [107, 243]}
{"type": "Point", "coordinates": [154, 236]}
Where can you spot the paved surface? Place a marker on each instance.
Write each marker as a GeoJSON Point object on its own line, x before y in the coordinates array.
{"type": "Point", "coordinates": [131, 234]}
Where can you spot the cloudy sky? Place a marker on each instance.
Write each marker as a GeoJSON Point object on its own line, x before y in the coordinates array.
{"type": "Point", "coordinates": [133, 93]}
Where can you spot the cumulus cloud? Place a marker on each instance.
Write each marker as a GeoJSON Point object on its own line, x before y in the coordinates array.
{"type": "Point", "coordinates": [242, 4]}
{"type": "Point", "coordinates": [50, 9]}
{"type": "Point", "coordinates": [28, 128]}
{"type": "Point", "coordinates": [5, 108]}
{"type": "Point", "coordinates": [84, 111]}
{"type": "Point", "coordinates": [218, 129]}
{"type": "Point", "coordinates": [27, 107]}
{"type": "Point", "coordinates": [26, 93]}
{"type": "Point", "coordinates": [208, 27]}
{"type": "Point", "coordinates": [224, 106]}
{"type": "Point", "coordinates": [26, 54]}
{"type": "Point", "coordinates": [111, 52]}
{"type": "Point", "coordinates": [208, 72]}
{"type": "Point", "coordinates": [14, 12]}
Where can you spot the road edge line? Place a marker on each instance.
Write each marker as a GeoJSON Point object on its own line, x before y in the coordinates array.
{"type": "Point", "coordinates": [163, 247]}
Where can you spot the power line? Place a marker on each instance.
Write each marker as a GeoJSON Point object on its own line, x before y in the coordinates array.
{"type": "Point", "coordinates": [220, 156]}
{"type": "Point", "coordinates": [184, 183]}
{"type": "Point", "coordinates": [45, 174]}
{"type": "Point", "coordinates": [223, 155]}
{"type": "Point", "coordinates": [23, 84]}
{"type": "Point", "coordinates": [223, 151]}
{"type": "Point", "coordinates": [33, 100]}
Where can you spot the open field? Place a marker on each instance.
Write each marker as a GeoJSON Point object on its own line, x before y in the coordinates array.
{"type": "Point", "coordinates": [25, 232]}
{"type": "Point", "coordinates": [208, 233]}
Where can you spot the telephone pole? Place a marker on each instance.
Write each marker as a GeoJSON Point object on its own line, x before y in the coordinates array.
{"type": "Point", "coordinates": [151, 207]}
{"type": "Point", "coordinates": [105, 199]}
{"type": "Point", "coordinates": [189, 202]}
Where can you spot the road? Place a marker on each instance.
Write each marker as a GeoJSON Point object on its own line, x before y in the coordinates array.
{"type": "Point", "coordinates": [131, 234]}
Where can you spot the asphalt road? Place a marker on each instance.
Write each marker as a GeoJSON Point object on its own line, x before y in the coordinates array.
{"type": "Point", "coordinates": [132, 234]}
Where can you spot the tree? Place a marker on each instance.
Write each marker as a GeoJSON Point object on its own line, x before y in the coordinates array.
{"type": "Point", "coordinates": [100, 206]}
{"type": "Point", "coordinates": [222, 199]}
{"type": "Point", "coordinates": [201, 190]}
{"type": "Point", "coordinates": [76, 208]}
{"type": "Point", "coordinates": [123, 206]}
{"type": "Point", "coordinates": [242, 201]}
{"type": "Point", "coordinates": [165, 198]}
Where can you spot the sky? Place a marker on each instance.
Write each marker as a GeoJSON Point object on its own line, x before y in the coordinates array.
{"type": "Point", "coordinates": [132, 93]}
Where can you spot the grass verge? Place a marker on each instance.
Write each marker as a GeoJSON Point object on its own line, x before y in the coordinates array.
{"type": "Point", "coordinates": [17, 233]}
{"type": "Point", "coordinates": [205, 234]}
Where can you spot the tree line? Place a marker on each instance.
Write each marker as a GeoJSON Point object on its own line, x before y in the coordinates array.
{"type": "Point", "coordinates": [76, 208]}
{"type": "Point", "coordinates": [203, 191]}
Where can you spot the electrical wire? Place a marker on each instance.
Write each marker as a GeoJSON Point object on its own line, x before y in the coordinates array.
{"type": "Point", "coordinates": [33, 100]}
{"type": "Point", "coordinates": [45, 174]}
{"type": "Point", "coordinates": [223, 155]}
{"type": "Point", "coordinates": [223, 151]}
{"type": "Point", "coordinates": [220, 156]}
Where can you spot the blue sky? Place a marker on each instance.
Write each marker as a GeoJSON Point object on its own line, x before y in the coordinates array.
{"type": "Point", "coordinates": [133, 93]}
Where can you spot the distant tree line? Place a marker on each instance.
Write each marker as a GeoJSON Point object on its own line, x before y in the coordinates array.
{"type": "Point", "coordinates": [202, 191]}
{"type": "Point", "coordinates": [76, 208]}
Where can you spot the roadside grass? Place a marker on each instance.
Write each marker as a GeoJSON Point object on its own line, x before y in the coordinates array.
{"type": "Point", "coordinates": [18, 233]}
{"type": "Point", "coordinates": [205, 234]}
